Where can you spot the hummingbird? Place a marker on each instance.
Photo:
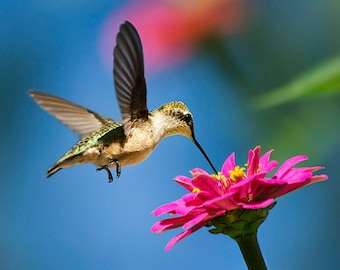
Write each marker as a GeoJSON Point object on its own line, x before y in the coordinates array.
{"type": "Point", "coordinates": [107, 143]}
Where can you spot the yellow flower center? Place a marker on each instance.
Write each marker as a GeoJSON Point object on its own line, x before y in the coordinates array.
{"type": "Point", "coordinates": [195, 190]}
{"type": "Point", "coordinates": [237, 173]}
{"type": "Point", "coordinates": [219, 176]}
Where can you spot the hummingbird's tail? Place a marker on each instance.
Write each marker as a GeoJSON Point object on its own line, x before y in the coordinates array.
{"type": "Point", "coordinates": [53, 170]}
{"type": "Point", "coordinates": [66, 161]}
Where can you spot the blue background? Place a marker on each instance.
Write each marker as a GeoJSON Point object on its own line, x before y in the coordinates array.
{"type": "Point", "coordinates": [76, 220]}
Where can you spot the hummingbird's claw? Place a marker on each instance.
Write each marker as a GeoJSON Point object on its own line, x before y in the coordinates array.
{"type": "Point", "coordinates": [118, 168]}
{"type": "Point", "coordinates": [106, 168]}
{"type": "Point", "coordinates": [108, 172]}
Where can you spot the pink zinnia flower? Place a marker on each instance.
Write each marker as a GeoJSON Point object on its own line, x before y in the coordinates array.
{"type": "Point", "coordinates": [233, 189]}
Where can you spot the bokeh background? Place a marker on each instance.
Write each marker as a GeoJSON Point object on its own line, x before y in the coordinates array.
{"type": "Point", "coordinates": [252, 72]}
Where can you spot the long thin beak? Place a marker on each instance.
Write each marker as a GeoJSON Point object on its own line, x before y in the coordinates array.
{"type": "Point", "coordinates": [204, 154]}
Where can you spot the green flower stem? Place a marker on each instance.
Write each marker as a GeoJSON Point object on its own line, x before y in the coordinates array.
{"type": "Point", "coordinates": [242, 225]}
{"type": "Point", "coordinates": [251, 252]}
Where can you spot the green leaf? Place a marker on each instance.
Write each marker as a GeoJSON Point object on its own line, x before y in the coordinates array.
{"type": "Point", "coordinates": [323, 79]}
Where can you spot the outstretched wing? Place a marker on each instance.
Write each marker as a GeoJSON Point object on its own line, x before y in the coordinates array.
{"type": "Point", "coordinates": [128, 71]}
{"type": "Point", "coordinates": [81, 120]}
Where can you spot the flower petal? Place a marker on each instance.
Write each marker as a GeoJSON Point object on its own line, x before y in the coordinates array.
{"type": "Point", "coordinates": [182, 235]}
{"type": "Point", "coordinates": [262, 189]}
{"type": "Point", "coordinates": [170, 223]}
{"type": "Point", "coordinates": [225, 202]}
{"type": "Point", "coordinates": [318, 178]}
{"type": "Point", "coordinates": [264, 159]}
{"type": "Point", "coordinates": [165, 208]}
{"type": "Point", "coordinates": [294, 185]}
{"type": "Point", "coordinates": [196, 171]}
{"type": "Point", "coordinates": [185, 182]}
{"type": "Point", "coordinates": [257, 205]}
{"type": "Point", "coordinates": [288, 164]}
{"type": "Point", "coordinates": [265, 165]}
{"type": "Point", "coordinates": [195, 220]}
{"type": "Point", "coordinates": [253, 160]}
{"type": "Point", "coordinates": [228, 165]}
{"type": "Point", "coordinates": [207, 183]}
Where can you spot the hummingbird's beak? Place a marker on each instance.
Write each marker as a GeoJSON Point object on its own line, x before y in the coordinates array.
{"type": "Point", "coordinates": [204, 154]}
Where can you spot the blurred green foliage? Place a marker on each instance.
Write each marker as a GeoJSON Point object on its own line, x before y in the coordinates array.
{"type": "Point", "coordinates": [323, 79]}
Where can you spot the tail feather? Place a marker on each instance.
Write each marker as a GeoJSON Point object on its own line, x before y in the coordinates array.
{"type": "Point", "coordinates": [53, 170]}
{"type": "Point", "coordinates": [71, 159]}
{"type": "Point", "coordinates": [65, 162]}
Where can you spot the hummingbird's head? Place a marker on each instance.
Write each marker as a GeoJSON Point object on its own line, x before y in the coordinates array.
{"type": "Point", "coordinates": [179, 120]}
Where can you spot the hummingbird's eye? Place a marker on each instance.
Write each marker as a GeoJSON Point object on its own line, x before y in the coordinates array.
{"type": "Point", "coordinates": [187, 118]}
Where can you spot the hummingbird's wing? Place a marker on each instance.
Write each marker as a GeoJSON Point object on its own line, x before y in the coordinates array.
{"type": "Point", "coordinates": [128, 71]}
{"type": "Point", "coordinates": [81, 120]}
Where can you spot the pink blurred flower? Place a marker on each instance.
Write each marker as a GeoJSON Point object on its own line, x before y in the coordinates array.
{"type": "Point", "coordinates": [235, 188]}
{"type": "Point", "coordinates": [170, 30]}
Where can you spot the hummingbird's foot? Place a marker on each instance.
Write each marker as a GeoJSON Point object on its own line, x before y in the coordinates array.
{"type": "Point", "coordinates": [106, 168]}
{"type": "Point", "coordinates": [118, 168]}
{"type": "Point", "coordinates": [108, 172]}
